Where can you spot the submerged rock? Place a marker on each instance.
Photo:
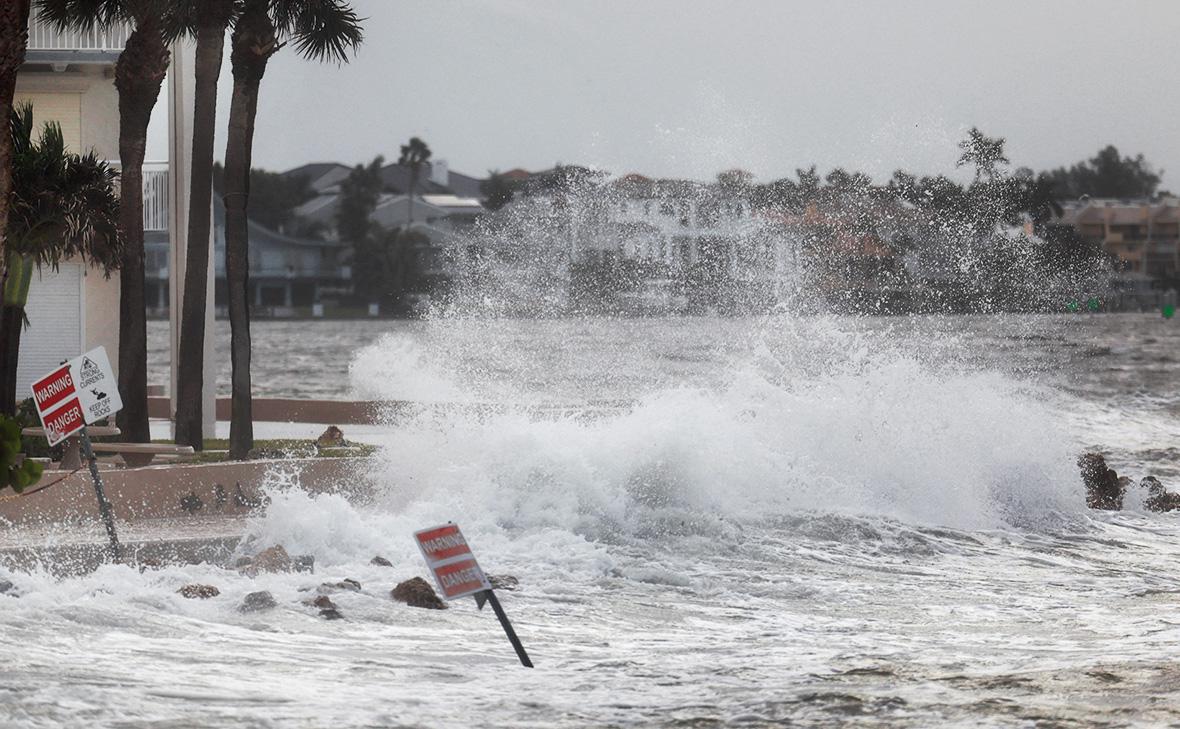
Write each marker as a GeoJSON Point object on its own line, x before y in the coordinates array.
{"type": "Point", "coordinates": [199, 592]}
{"type": "Point", "coordinates": [417, 592]}
{"type": "Point", "coordinates": [1158, 498]}
{"type": "Point", "coordinates": [303, 562]}
{"type": "Point", "coordinates": [1104, 489]}
{"type": "Point", "coordinates": [328, 609]}
{"type": "Point", "coordinates": [347, 583]}
{"type": "Point", "coordinates": [7, 588]}
{"type": "Point", "coordinates": [503, 582]}
{"type": "Point", "coordinates": [257, 601]}
{"type": "Point", "coordinates": [381, 561]}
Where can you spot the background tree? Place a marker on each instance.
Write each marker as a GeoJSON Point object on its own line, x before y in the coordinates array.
{"type": "Point", "coordinates": [273, 198]}
{"type": "Point", "coordinates": [497, 190]}
{"type": "Point", "coordinates": [1106, 174]}
{"type": "Point", "coordinates": [208, 21]}
{"type": "Point", "coordinates": [14, 37]}
{"type": "Point", "coordinates": [359, 193]}
{"type": "Point", "coordinates": [415, 154]}
{"type": "Point", "coordinates": [982, 152]}
{"type": "Point", "coordinates": [139, 73]}
{"type": "Point", "coordinates": [319, 30]}
{"type": "Point", "coordinates": [62, 205]}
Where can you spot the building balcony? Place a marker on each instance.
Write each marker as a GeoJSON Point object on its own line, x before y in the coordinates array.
{"type": "Point", "coordinates": [94, 46]}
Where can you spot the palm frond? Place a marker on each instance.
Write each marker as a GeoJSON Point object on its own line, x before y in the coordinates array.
{"type": "Point", "coordinates": [81, 14]}
{"type": "Point", "coordinates": [320, 29]}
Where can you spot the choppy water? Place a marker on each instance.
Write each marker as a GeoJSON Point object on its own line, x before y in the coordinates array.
{"type": "Point", "coordinates": [775, 521]}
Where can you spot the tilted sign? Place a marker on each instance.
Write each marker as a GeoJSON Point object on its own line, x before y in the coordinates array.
{"type": "Point", "coordinates": [76, 394]}
{"type": "Point", "coordinates": [451, 561]}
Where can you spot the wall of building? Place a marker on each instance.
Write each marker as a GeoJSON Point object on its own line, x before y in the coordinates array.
{"type": "Point", "coordinates": [84, 101]}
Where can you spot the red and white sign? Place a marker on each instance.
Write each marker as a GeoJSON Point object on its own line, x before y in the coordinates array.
{"type": "Point", "coordinates": [80, 392]}
{"type": "Point", "coordinates": [451, 561]}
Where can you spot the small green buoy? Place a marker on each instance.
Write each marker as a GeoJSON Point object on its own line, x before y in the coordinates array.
{"type": "Point", "coordinates": [1072, 306]}
{"type": "Point", "coordinates": [1169, 311]}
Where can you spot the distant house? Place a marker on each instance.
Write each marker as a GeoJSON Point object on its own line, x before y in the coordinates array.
{"type": "Point", "coordinates": [1143, 234]}
{"type": "Point", "coordinates": [290, 272]}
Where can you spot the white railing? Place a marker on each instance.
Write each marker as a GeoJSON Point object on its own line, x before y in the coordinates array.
{"type": "Point", "coordinates": [44, 37]}
{"type": "Point", "coordinates": [155, 196]}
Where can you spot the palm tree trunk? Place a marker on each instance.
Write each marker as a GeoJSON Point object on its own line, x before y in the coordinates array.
{"type": "Point", "coordinates": [139, 73]}
{"type": "Point", "coordinates": [14, 37]}
{"type": "Point", "coordinates": [11, 322]}
{"type": "Point", "coordinates": [253, 44]}
{"type": "Point", "coordinates": [13, 298]}
{"type": "Point", "coordinates": [191, 373]}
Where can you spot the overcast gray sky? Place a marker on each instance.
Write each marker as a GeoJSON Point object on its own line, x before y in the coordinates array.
{"type": "Point", "coordinates": [688, 88]}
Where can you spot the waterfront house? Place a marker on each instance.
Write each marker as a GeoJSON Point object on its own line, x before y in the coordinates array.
{"type": "Point", "coordinates": [67, 77]}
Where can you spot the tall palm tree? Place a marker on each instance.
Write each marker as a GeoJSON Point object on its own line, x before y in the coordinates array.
{"type": "Point", "coordinates": [139, 73]}
{"type": "Point", "coordinates": [63, 205]}
{"type": "Point", "coordinates": [208, 21]}
{"type": "Point", "coordinates": [319, 30]}
{"type": "Point", "coordinates": [415, 154]}
{"type": "Point", "coordinates": [14, 37]}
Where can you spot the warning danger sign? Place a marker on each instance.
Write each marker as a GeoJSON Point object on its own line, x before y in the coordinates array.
{"type": "Point", "coordinates": [451, 561]}
{"type": "Point", "coordinates": [88, 388]}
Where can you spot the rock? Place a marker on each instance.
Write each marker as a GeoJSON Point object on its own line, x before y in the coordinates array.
{"type": "Point", "coordinates": [256, 601]}
{"type": "Point", "coordinates": [303, 562]}
{"type": "Point", "coordinates": [199, 592]}
{"type": "Point", "coordinates": [503, 582]}
{"type": "Point", "coordinates": [1104, 489]}
{"type": "Point", "coordinates": [322, 602]}
{"type": "Point", "coordinates": [347, 583]}
{"type": "Point", "coordinates": [1158, 498]}
{"type": "Point", "coordinates": [7, 588]}
{"type": "Point", "coordinates": [248, 501]}
{"type": "Point", "coordinates": [381, 561]}
{"type": "Point", "coordinates": [417, 592]}
{"type": "Point", "coordinates": [333, 437]}
{"type": "Point", "coordinates": [274, 559]}
{"type": "Point", "coordinates": [331, 614]}
{"type": "Point", "coordinates": [191, 503]}
{"type": "Point", "coordinates": [150, 563]}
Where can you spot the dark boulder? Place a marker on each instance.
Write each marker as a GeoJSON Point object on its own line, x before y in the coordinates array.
{"type": "Point", "coordinates": [7, 588]}
{"type": "Point", "coordinates": [417, 592]}
{"type": "Point", "coordinates": [381, 561]}
{"type": "Point", "coordinates": [199, 592]}
{"type": "Point", "coordinates": [1158, 498]}
{"type": "Point", "coordinates": [1104, 489]}
{"type": "Point", "coordinates": [257, 601]}
{"type": "Point", "coordinates": [333, 437]}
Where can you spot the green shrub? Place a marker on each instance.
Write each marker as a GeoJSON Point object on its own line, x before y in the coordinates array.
{"type": "Point", "coordinates": [16, 471]}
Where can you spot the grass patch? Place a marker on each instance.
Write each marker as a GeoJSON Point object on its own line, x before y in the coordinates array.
{"type": "Point", "coordinates": [216, 449]}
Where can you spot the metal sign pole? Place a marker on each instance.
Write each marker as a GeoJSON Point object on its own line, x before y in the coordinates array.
{"type": "Point", "coordinates": [104, 506]}
{"type": "Point", "coordinates": [520, 652]}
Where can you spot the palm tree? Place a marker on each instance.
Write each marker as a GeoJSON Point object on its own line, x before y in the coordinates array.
{"type": "Point", "coordinates": [14, 36]}
{"type": "Point", "coordinates": [208, 21]}
{"type": "Point", "coordinates": [139, 73]}
{"type": "Point", "coordinates": [414, 155]}
{"type": "Point", "coordinates": [63, 205]}
{"type": "Point", "coordinates": [319, 30]}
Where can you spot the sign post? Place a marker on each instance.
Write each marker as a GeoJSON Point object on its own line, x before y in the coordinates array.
{"type": "Point", "coordinates": [79, 393]}
{"type": "Point", "coordinates": [457, 574]}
